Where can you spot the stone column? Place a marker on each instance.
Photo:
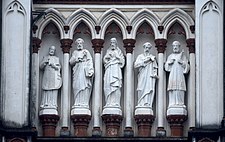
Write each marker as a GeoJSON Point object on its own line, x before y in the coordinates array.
{"type": "Point", "coordinates": [129, 44]}
{"type": "Point", "coordinates": [65, 45]}
{"type": "Point", "coordinates": [15, 63]}
{"type": "Point", "coordinates": [97, 44]}
{"type": "Point", "coordinates": [35, 82]}
{"type": "Point", "coordinates": [191, 83]}
{"type": "Point", "coordinates": [161, 108]}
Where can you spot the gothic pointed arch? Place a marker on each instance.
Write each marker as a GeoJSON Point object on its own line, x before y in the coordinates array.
{"type": "Point", "coordinates": [79, 16]}
{"type": "Point", "coordinates": [52, 16]}
{"type": "Point", "coordinates": [144, 15]}
{"type": "Point", "coordinates": [110, 16]}
{"type": "Point", "coordinates": [179, 16]}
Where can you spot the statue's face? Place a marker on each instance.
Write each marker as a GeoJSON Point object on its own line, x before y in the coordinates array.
{"type": "Point", "coordinates": [52, 50]}
{"type": "Point", "coordinates": [147, 47]}
{"type": "Point", "coordinates": [79, 44]}
{"type": "Point", "coordinates": [176, 48]}
{"type": "Point", "coordinates": [113, 44]}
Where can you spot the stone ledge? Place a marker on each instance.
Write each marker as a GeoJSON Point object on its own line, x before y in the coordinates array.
{"type": "Point", "coordinates": [136, 139]}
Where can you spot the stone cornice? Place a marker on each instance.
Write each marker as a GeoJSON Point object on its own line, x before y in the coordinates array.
{"type": "Point", "coordinates": [102, 2]}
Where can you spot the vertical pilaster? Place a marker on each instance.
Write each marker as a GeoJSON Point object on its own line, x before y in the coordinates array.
{"type": "Point", "coordinates": [129, 44]}
{"type": "Point", "coordinates": [35, 81]}
{"type": "Point", "coordinates": [65, 45]}
{"type": "Point", "coordinates": [191, 83]}
{"type": "Point", "coordinates": [97, 44]}
{"type": "Point", "coordinates": [161, 47]}
{"type": "Point", "coordinates": [15, 62]}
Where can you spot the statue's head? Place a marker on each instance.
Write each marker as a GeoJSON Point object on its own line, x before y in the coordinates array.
{"type": "Point", "coordinates": [113, 43]}
{"type": "Point", "coordinates": [79, 43]}
{"type": "Point", "coordinates": [147, 46]}
{"type": "Point", "coordinates": [176, 46]}
{"type": "Point", "coordinates": [52, 50]}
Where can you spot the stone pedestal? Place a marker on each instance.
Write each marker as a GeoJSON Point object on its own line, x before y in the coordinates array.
{"type": "Point", "coordinates": [144, 123]}
{"type": "Point", "coordinates": [49, 123]}
{"type": "Point", "coordinates": [80, 124]}
{"type": "Point", "coordinates": [112, 122]}
{"type": "Point", "coordinates": [176, 126]}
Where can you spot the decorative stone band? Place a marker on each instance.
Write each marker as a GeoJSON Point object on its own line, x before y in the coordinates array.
{"type": "Point", "coordinates": [112, 123]}
{"type": "Point", "coordinates": [144, 123]}
{"type": "Point", "coordinates": [81, 123]}
{"type": "Point", "coordinates": [36, 44]}
{"type": "Point", "coordinates": [129, 45]}
{"type": "Point", "coordinates": [97, 44]}
{"type": "Point", "coordinates": [161, 45]}
{"type": "Point", "coordinates": [49, 124]}
{"type": "Point", "coordinates": [66, 45]}
{"type": "Point", "coordinates": [176, 126]}
{"type": "Point", "coordinates": [191, 45]}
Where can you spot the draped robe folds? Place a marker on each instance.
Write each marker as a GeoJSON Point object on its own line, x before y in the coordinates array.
{"type": "Point", "coordinates": [147, 73]}
{"type": "Point", "coordinates": [82, 73]}
{"type": "Point", "coordinates": [176, 83]}
{"type": "Point", "coordinates": [51, 81]}
{"type": "Point", "coordinates": [114, 61]}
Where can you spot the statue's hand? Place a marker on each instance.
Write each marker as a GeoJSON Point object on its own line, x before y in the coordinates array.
{"type": "Point", "coordinates": [171, 61]}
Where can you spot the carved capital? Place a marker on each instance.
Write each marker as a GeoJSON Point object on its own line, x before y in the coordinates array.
{"type": "Point", "coordinates": [112, 123]}
{"type": "Point", "coordinates": [191, 45]}
{"type": "Point", "coordinates": [176, 126]}
{"type": "Point", "coordinates": [144, 123]}
{"type": "Point", "coordinates": [80, 124]}
{"type": "Point", "coordinates": [66, 45]}
{"type": "Point", "coordinates": [97, 44]}
{"type": "Point", "coordinates": [129, 28]}
{"type": "Point", "coordinates": [161, 45]}
{"type": "Point", "coordinates": [36, 44]}
{"type": "Point", "coordinates": [49, 123]}
{"type": "Point", "coordinates": [129, 45]}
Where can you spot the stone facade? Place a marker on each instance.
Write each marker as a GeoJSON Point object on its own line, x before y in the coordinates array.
{"type": "Point", "coordinates": [197, 25]}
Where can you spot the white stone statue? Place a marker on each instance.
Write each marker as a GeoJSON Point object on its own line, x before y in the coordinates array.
{"type": "Point", "coordinates": [113, 62]}
{"type": "Point", "coordinates": [147, 75]}
{"type": "Point", "coordinates": [177, 65]}
{"type": "Point", "coordinates": [83, 71]}
{"type": "Point", "coordinates": [51, 81]}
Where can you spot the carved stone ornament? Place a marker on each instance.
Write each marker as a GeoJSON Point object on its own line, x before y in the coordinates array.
{"type": "Point", "coordinates": [176, 126]}
{"type": "Point", "coordinates": [160, 45]}
{"type": "Point", "coordinates": [144, 123]}
{"type": "Point", "coordinates": [191, 45]}
{"type": "Point", "coordinates": [36, 44]}
{"type": "Point", "coordinates": [49, 123]}
{"type": "Point", "coordinates": [97, 44]}
{"type": "Point", "coordinates": [80, 124]}
{"type": "Point", "coordinates": [112, 123]}
{"type": "Point", "coordinates": [129, 45]}
{"type": "Point", "coordinates": [66, 45]}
